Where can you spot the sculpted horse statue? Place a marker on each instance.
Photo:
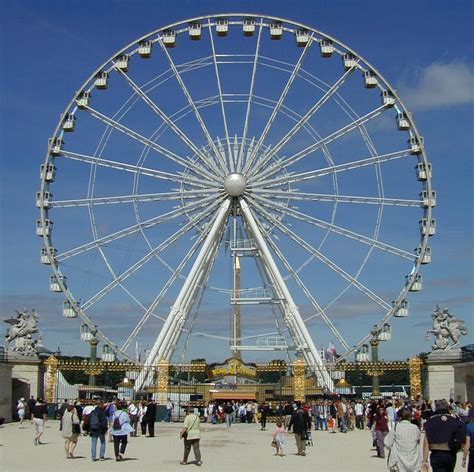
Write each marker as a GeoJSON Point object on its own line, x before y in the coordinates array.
{"type": "Point", "coordinates": [25, 324]}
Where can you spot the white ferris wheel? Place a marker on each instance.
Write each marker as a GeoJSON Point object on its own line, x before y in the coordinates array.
{"type": "Point", "coordinates": [235, 180]}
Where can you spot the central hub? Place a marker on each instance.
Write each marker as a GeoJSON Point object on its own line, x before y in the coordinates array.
{"type": "Point", "coordinates": [235, 184]}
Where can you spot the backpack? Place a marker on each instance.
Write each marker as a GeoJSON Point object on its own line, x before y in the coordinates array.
{"type": "Point", "coordinates": [94, 423]}
{"type": "Point", "coordinates": [116, 426]}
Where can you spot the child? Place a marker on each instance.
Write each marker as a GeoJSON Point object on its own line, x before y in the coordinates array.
{"type": "Point", "coordinates": [279, 438]}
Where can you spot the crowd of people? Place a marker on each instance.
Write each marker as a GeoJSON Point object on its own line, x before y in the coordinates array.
{"type": "Point", "coordinates": [415, 433]}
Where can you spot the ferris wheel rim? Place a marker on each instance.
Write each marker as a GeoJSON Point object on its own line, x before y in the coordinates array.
{"type": "Point", "coordinates": [59, 133]}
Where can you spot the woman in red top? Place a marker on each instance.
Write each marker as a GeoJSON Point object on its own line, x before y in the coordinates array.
{"type": "Point", "coordinates": [380, 427]}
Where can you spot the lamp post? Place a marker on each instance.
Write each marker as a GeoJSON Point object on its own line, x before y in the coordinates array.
{"type": "Point", "coordinates": [379, 333]}
{"type": "Point", "coordinates": [88, 334]}
{"type": "Point", "coordinates": [361, 356]}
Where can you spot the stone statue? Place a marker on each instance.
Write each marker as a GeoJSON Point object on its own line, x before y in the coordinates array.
{"type": "Point", "coordinates": [21, 331]}
{"type": "Point", "coordinates": [446, 329]}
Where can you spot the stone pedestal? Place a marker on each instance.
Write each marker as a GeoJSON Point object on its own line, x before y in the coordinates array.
{"type": "Point", "coordinates": [27, 377]}
{"type": "Point", "coordinates": [439, 374]}
{"type": "Point", "coordinates": [464, 382]}
{"type": "Point", "coordinates": [6, 391]}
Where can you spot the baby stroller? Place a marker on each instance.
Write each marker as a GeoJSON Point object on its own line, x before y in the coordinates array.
{"type": "Point", "coordinates": [309, 438]}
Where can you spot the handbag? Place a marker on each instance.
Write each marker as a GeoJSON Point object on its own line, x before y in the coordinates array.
{"type": "Point", "coordinates": [75, 427]}
{"type": "Point", "coordinates": [274, 443]}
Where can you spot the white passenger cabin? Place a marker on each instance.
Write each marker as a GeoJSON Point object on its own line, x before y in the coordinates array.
{"type": "Point", "coordinates": [83, 99]}
{"type": "Point", "coordinates": [43, 199]}
{"type": "Point", "coordinates": [370, 79]}
{"type": "Point", "coordinates": [68, 124]}
{"type": "Point", "coordinates": [388, 99]}
{"type": "Point", "coordinates": [195, 31]}
{"type": "Point", "coordinates": [44, 230]}
{"type": "Point", "coordinates": [426, 259]}
{"type": "Point", "coordinates": [121, 62]}
{"type": "Point", "coordinates": [55, 145]}
{"type": "Point", "coordinates": [417, 284]}
{"type": "Point", "coordinates": [86, 333]}
{"type": "Point", "coordinates": [101, 80]}
{"type": "Point", "coordinates": [68, 310]}
{"type": "Point", "coordinates": [144, 48]}
{"type": "Point", "coordinates": [415, 144]}
{"type": "Point", "coordinates": [46, 255]}
{"type": "Point", "coordinates": [276, 30]}
{"type": "Point", "coordinates": [385, 333]}
{"type": "Point", "coordinates": [402, 121]}
{"type": "Point", "coordinates": [349, 60]}
{"type": "Point", "coordinates": [108, 354]}
{"type": "Point", "coordinates": [337, 374]}
{"type": "Point", "coordinates": [326, 47]}
{"type": "Point", "coordinates": [362, 354]}
{"type": "Point", "coordinates": [248, 26]}
{"type": "Point", "coordinates": [302, 37]}
{"type": "Point", "coordinates": [423, 171]}
{"type": "Point", "coordinates": [222, 26]}
{"type": "Point", "coordinates": [428, 198]}
{"type": "Point", "coordinates": [428, 228]}
{"type": "Point", "coordinates": [402, 311]}
{"type": "Point", "coordinates": [54, 283]}
{"type": "Point", "coordinates": [169, 38]}
{"type": "Point", "coordinates": [47, 172]}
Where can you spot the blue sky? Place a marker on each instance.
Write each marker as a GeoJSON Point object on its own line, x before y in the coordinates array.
{"type": "Point", "coordinates": [49, 48]}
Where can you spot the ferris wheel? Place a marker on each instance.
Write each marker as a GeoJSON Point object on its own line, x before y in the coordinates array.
{"type": "Point", "coordinates": [235, 180]}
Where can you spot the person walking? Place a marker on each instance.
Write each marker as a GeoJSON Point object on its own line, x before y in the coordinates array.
{"type": "Point", "coordinates": [301, 424]}
{"type": "Point", "coordinates": [191, 435]}
{"type": "Point", "coordinates": [403, 443]}
{"type": "Point", "coordinates": [469, 445]}
{"type": "Point", "coordinates": [97, 430]}
{"type": "Point", "coordinates": [287, 412]}
{"type": "Point", "coordinates": [133, 414]}
{"type": "Point", "coordinates": [380, 428]}
{"type": "Point", "coordinates": [21, 411]}
{"type": "Point", "coordinates": [279, 438]}
{"type": "Point", "coordinates": [150, 416]}
{"type": "Point", "coordinates": [263, 416]}
{"type": "Point", "coordinates": [440, 430]}
{"type": "Point", "coordinates": [142, 416]}
{"type": "Point", "coordinates": [39, 414]}
{"type": "Point", "coordinates": [70, 429]}
{"type": "Point", "coordinates": [169, 410]}
{"type": "Point", "coordinates": [121, 427]}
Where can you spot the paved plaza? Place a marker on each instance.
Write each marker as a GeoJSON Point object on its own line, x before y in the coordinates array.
{"type": "Point", "coordinates": [243, 447]}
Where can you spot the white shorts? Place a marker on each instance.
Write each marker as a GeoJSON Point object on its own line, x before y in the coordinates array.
{"type": "Point", "coordinates": [38, 425]}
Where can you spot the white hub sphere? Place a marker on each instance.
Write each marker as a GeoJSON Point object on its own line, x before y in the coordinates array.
{"type": "Point", "coordinates": [235, 184]}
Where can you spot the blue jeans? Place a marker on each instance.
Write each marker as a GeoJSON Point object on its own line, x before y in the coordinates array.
{"type": "Point", "coordinates": [94, 445]}
{"type": "Point", "coordinates": [169, 412]}
{"type": "Point", "coordinates": [321, 424]}
{"type": "Point", "coordinates": [229, 418]}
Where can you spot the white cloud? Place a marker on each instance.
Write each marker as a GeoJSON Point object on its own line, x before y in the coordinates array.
{"type": "Point", "coordinates": [441, 84]}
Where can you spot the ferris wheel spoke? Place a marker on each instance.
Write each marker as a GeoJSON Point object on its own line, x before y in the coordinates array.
{"type": "Point", "coordinates": [249, 101]}
{"type": "Point", "coordinates": [320, 197]}
{"type": "Point", "coordinates": [292, 160]}
{"type": "Point", "coordinates": [157, 250]}
{"type": "Point", "coordinates": [294, 274]}
{"type": "Point", "coordinates": [187, 164]}
{"type": "Point", "coordinates": [221, 99]}
{"type": "Point", "coordinates": [264, 159]}
{"type": "Point", "coordinates": [203, 203]}
{"type": "Point", "coordinates": [312, 250]}
{"type": "Point", "coordinates": [174, 276]}
{"type": "Point", "coordinates": [138, 170]}
{"type": "Point", "coordinates": [139, 91]}
{"type": "Point", "coordinates": [194, 108]}
{"type": "Point", "coordinates": [276, 109]}
{"type": "Point", "coordinates": [313, 174]}
{"type": "Point", "coordinates": [335, 229]}
{"type": "Point", "coordinates": [136, 198]}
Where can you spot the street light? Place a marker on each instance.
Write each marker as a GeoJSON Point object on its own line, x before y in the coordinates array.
{"type": "Point", "coordinates": [379, 333]}
{"type": "Point", "coordinates": [88, 334]}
